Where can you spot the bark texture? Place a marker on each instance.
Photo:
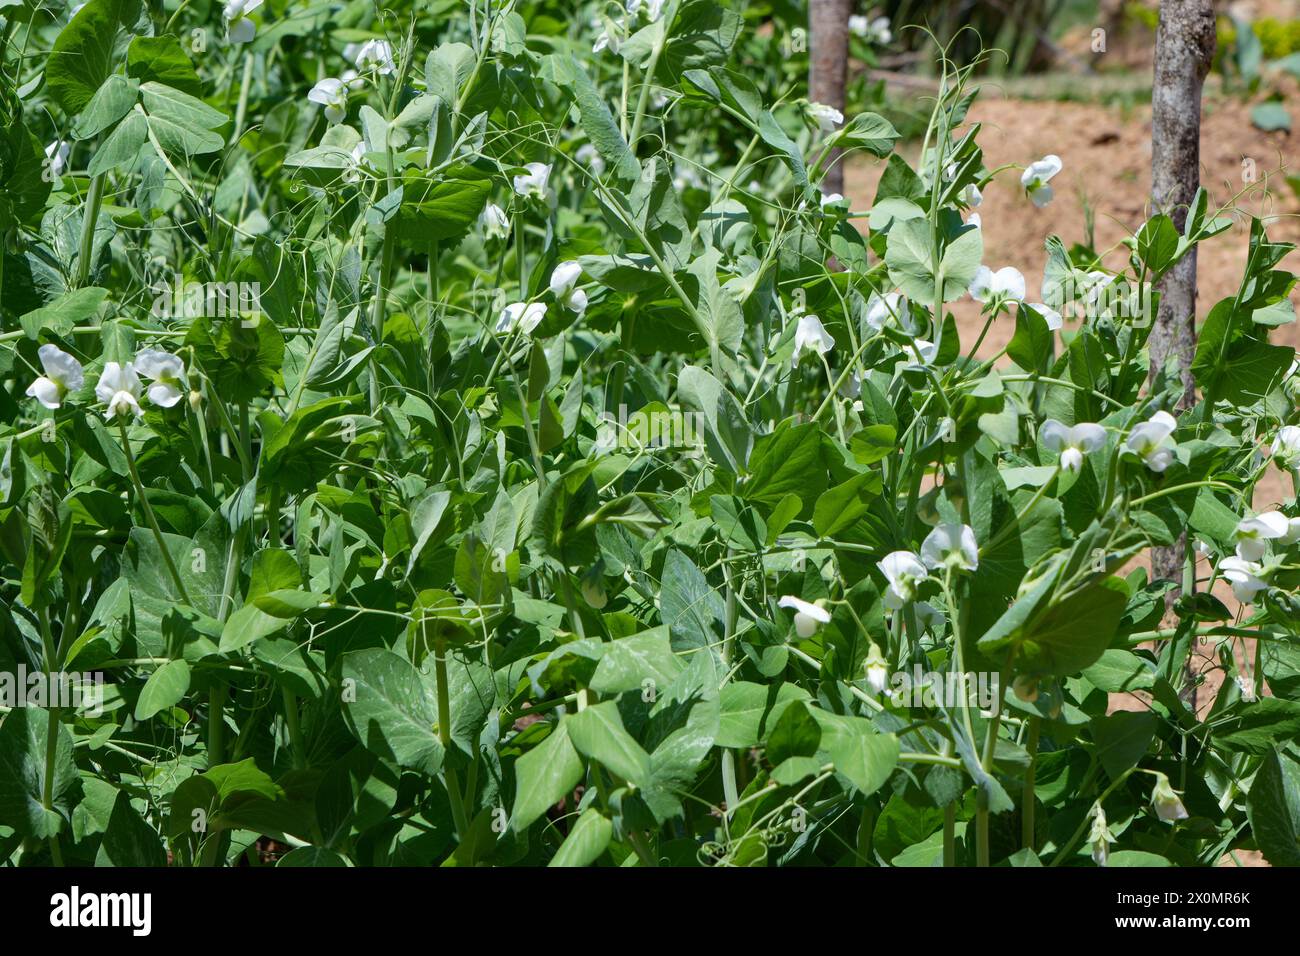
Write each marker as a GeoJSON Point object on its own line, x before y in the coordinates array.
{"type": "Point", "coordinates": [1184, 49]}
{"type": "Point", "coordinates": [828, 59]}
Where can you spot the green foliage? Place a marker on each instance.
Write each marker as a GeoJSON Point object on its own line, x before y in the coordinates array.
{"type": "Point", "coordinates": [507, 457]}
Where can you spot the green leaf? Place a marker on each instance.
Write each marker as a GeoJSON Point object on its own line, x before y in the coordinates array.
{"type": "Point", "coordinates": [1273, 808]}
{"type": "Point", "coordinates": [163, 61]}
{"type": "Point", "coordinates": [597, 120]}
{"type": "Point", "coordinates": [165, 688]}
{"type": "Point", "coordinates": [690, 607]}
{"type": "Point", "coordinates": [868, 131]}
{"type": "Point", "coordinates": [585, 842]}
{"type": "Point", "coordinates": [441, 210]}
{"type": "Point", "coordinates": [183, 125]}
{"type": "Point", "coordinates": [788, 461]}
{"type": "Point", "coordinates": [859, 752]}
{"type": "Point", "coordinates": [1122, 739]}
{"type": "Point", "coordinates": [631, 661]}
{"type": "Point", "coordinates": [23, 737]}
{"type": "Point", "coordinates": [598, 734]}
{"type": "Point", "coordinates": [544, 776]}
{"type": "Point", "coordinates": [1064, 637]}
{"type": "Point", "coordinates": [1255, 727]}
{"type": "Point", "coordinates": [749, 711]}
{"type": "Point", "coordinates": [63, 313]}
{"type": "Point", "coordinates": [84, 54]}
{"type": "Point", "coordinates": [128, 840]}
{"type": "Point", "coordinates": [390, 711]}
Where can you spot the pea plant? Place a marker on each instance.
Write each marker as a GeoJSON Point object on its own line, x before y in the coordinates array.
{"type": "Point", "coordinates": [466, 434]}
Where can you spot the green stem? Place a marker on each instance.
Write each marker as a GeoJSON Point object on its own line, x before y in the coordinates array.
{"type": "Point", "coordinates": [216, 724]}
{"type": "Point", "coordinates": [456, 797]}
{"type": "Point", "coordinates": [295, 729]}
{"type": "Point", "coordinates": [94, 200]}
{"type": "Point", "coordinates": [1027, 795]}
{"type": "Point", "coordinates": [149, 515]}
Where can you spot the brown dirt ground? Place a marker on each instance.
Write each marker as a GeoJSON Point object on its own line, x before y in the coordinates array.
{"type": "Point", "coordinates": [1106, 153]}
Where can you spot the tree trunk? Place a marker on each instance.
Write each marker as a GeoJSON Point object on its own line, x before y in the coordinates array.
{"type": "Point", "coordinates": [828, 59]}
{"type": "Point", "coordinates": [1184, 48]}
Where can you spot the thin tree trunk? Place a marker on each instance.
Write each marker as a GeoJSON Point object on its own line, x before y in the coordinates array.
{"type": "Point", "coordinates": [1184, 49]}
{"type": "Point", "coordinates": [828, 58]}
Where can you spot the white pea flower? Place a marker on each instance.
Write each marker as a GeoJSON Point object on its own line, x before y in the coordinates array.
{"type": "Point", "coordinates": [1246, 687]}
{"type": "Point", "coordinates": [1291, 384]}
{"type": "Point", "coordinates": [1035, 179]}
{"type": "Point", "coordinates": [1165, 800]}
{"type": "Point", "coordinates": [972, 196]}
{"type": "Point", "coordinates": [654, 9]}
{"type": "Point", "coordinates": [1150, 441]}
{"type": "Point", "coordinates": [57, 154]}
{"type": "Point", "coordinates": [590, 157]}
{"type": "Point", "coordinates": [880, 31]}
{"type": "Point", "coordinates": [119, 388]}
{"type": "Point", "coordinates": [1006, 283]}
{"type": "Point", "coordinates": [877, 670]}
{"type": "Point", "coordinates": [372, 56]}
{"type": "Point", "coordinates": [1286, 447]}
{"type": "Point", "coordinates": [882, 308]}
{"type": "Point", "coordinates": [523, 315]}
{"type": "Point", "coordinates": [62, 375]}
{"type": "Point", "coordinates": [1244, 576]}
{"type": "Point", "coordinates": [332, 94]}
{"type": "Point", "coordinates": [1072, 442]}
{"type": "Point", "coordinates": [352, 174]}
{"type": "Point", "coordinates": [1292, 532]}
{"type": "Point", "coordinates": [858, 25]}
{"type": "Point", "coordinates": [1253, 534]}
{"type": "Point", "coordinates": [974, 220]}
{"type": "Point", "coordinates": [904, 571]}
{"type": "Point", "coordinates": [831, 198]}
{"type": "Point", "coordinates": [533, 182]}
{"type": "Point", "coordinates": [808, 618]}
{"type": "Point", "coordinates": [605, 41]}
{"type": "Point", "coordinates": [811, 336]}
{"type": "Point", "coordinates": [928, 617]}
{"type": "Point", "coordinates": [925, 351]}
{"type": "Point", "coordinates": [826, 117]}
{"type": "Point", "coordinates": [492, 220]}
{"type": "Point", "coordinates": [1100, 839]}
{"type": "Point", "coordinates": [1050, 315]}
{"type": "Point", "coordinates": [564, 286]}
{"type": "Point", "coordinates": [167, 372]}
{"type": "Point", "coordinates": [951, 546]}
{"type": "Point", "coordinates": [239, 28]}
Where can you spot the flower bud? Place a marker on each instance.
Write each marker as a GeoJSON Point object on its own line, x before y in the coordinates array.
{"type": "Point", "coordinates": [1165, 800]}
{"type": "Point", "coordinates": [877, 669]}
{"type": "Point", "coordinates": [1026, 687]}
